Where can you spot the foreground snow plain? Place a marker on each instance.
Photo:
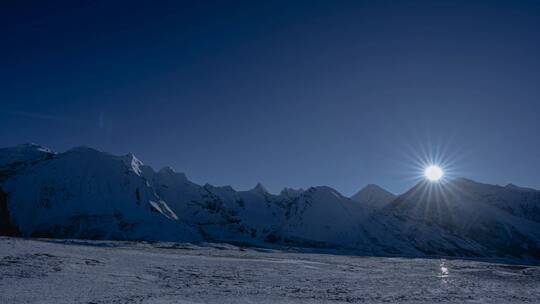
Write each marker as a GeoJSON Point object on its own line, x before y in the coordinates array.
{"type": "Point", "coordinates": [73, 271]}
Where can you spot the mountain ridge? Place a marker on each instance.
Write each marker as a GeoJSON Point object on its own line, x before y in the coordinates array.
{"type": "Point", "coordinates": [85, 193]}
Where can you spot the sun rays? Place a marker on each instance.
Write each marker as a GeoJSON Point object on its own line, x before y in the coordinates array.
{"type": "Point", "coordinates": [434, 167]}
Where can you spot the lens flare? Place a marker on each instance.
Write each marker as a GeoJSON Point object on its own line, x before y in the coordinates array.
{"type": "Point", "coordinates": [433, 173]}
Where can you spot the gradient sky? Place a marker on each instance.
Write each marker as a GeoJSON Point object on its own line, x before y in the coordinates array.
{"type": "Point", "coordinates": [288, 93]}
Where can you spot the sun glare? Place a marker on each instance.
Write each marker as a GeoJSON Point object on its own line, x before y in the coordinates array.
{"type": "Point", "coordinates": [433, 173]}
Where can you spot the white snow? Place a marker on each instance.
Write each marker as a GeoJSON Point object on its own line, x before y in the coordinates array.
{"type": "Point", "coordinates": [90, 194]}
{"type": "Point", "coordinates": [84, 193]}
{"type": "Point", "coordinates": [62, 272]}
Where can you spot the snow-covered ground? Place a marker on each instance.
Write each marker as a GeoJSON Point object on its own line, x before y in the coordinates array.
{"type": "Point", "coordinates": [58, 271]}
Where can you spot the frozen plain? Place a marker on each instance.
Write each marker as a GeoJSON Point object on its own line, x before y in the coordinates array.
{"type": "Point", "coordinates": [72, 271]}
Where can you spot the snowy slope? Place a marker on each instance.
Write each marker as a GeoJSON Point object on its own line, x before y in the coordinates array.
{"type": "Point", "coordinates": [323, 217]}
{"type": "Point", "coordinates": [89, 194]}
{"type": "Point", "coordinates": [518, 201]}
{"type": "Point", "coordinates": [15, 158]}
{"type": "Point", "coordinates": [455, 219]}
{"type": "Point", "coordinates": [215, 211]}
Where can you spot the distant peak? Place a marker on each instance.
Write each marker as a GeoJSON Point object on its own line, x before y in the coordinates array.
{"type": "Point", "coordinates": [133, 162]}
{"type": "Point", "coordinates": [373, 188]}
{"type": "Point", "coordinates": [259, 188]}
{"type": "Point", "coordinates": [130, 156]}
{"type": "Point", "coordinates": [373, 195]}
{"type": "Point", "coordinates": [166, 170]}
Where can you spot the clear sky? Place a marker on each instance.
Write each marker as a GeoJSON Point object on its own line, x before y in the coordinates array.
{"type": "Point", "coordinates": [288, 93]}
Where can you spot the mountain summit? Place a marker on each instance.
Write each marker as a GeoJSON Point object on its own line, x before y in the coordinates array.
{"type": "Point", "coordinates": [373, 195]}
{"type": "Point", "coordinates": [85, 193]}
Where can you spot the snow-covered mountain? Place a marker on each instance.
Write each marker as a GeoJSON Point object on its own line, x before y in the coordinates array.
{"type": "Point", "coordinates": [518, 201]}
{"type": "Point", "coordinates": [84, 193]}
{"type": "Point", "coordinates": [15, 158]}
{"type": "Point", "coordinates": [374, 196]}
{"type": "Point", "coordinates": [466, 218]}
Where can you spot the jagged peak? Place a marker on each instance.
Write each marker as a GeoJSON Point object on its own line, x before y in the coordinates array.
{"type": "Point", "coordinates": [259, 188]}
{"type": "Point", "coordinates": [132, 157]}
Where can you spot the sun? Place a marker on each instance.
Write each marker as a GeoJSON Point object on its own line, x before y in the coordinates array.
{"type": "Point", "coordinates": [433, 173]}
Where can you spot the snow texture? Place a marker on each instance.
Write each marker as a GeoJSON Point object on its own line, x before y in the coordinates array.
{"type": "Point", "coordinates": [71, 271]}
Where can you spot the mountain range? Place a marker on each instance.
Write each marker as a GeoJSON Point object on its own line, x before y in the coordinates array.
{"type": "Point", "coordinates": [85, 193]}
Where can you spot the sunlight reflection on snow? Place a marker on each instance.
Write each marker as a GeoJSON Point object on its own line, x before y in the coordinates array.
{"type": "Point", "coordinates": [443, 270]}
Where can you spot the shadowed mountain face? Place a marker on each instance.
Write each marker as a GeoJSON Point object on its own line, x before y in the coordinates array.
{"type": "Point", "coordinates": [438, 201]}
{"type": "Point", "coordinates": [478, 219]}
{"type": "Point", "coordinates": [84, 193]}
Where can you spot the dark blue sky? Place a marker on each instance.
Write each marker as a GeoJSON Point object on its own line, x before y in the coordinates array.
{"type": "Point", "coordinates": [289, 93]}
